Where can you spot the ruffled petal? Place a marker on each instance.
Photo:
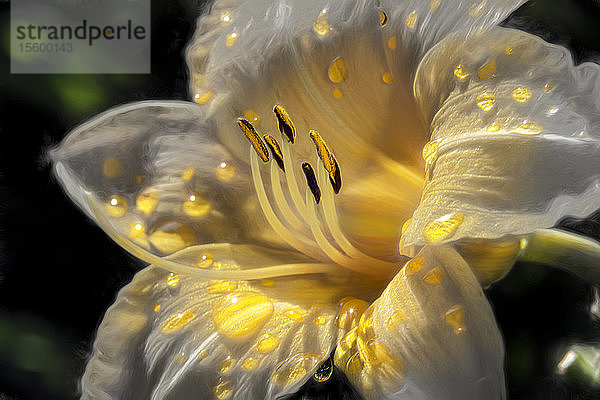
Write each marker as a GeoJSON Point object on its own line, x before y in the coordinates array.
{"type": "Point", "coordinates": [430, 335]}
{"type": "Point", "coordinates": [173, 336]}
{"type": "Point", "coordinates": [515, 144]}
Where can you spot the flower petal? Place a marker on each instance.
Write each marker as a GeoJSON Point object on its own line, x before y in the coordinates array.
{"type": "Point", "coordinates": [430, 335]}
{"type": "Point", "coordinates": [515, 143]}
{"type": "Point", "coordinates": [171, 336]}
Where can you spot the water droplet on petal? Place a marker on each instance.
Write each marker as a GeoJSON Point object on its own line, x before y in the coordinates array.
{"type": "Point", "coordinates": [455, 317]}
{"type": "Point", "coordinates": [112, 167]}
{"type": "Point", "coordinates": [338, 71]}
{"type": "Point", "coordinates": [267, 343]}
{"type": "Point", "coordinates": [442, 228]}
{"type": "Point", "coordinates": [486, 101]}
{"type": "Point", "coordinates": [239, 315]}
{"type": "Point", "coordinates": [116, 206]}
{"type": "Point", "coordinates": [321, 24]}
{"type": "Point", "coordinates": [196, 206]}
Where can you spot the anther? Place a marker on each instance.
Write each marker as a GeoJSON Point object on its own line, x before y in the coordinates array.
{"type": "Point", "coordinates": [275, 150]}
{"type": "Point", "coordinates": [311, 180]}
{"type": "Point", "coordinates": [254, 139]}
{"type": "Point", "coordinates": [329, 161]}
{"type": "Point", "coordinates": [286, 127]}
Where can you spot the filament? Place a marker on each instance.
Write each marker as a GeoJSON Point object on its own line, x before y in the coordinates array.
{"type": "Point", "coordinates": [281, 202]}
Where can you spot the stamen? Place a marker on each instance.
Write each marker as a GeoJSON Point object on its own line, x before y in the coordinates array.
{"type": "Point", "coordinates": [277, 226]}
{"type": "Point", "coordinates": [286, 127]}
{"type": "Point", "coordinates": [281, 202]}
{"type": "Point", "coordinates": [292, 183]}
{"type": "Point", "coordinates": [254, 139]}
{"type": "Point", "coordinates": [275, 150]}
{"type": "Point", "coordinates": [328, 160]}
{"type": "Point", "coordinates": [311, 181]}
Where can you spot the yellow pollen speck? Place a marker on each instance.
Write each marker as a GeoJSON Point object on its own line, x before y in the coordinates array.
{"type": "Point", "coordinates": [383, 17]}
{"type": "Point", "coordinates": [387, 78]}
{"type": "Point", "coordinates": [321, 24]}
{"type": "Point", "coordinates": [173, 280]}
{"type": "Point", "coordinates": [223, 389]}
{"type": "Point", "coordinates": [548, 86]}
{"type": "Point", "coordinates": [476, 9]}
{"type": "Point", "coordinates": [337, 93]}
{"type": "Point", "coordinates": [187, 173]}
{"type": "Point", "coordinates": [434, 5]}
{"type": "Point", "coordinates": [528, 128]}
{"type": "Point", "coordinates": [231, 39]}
{"type": "Point", "coordinates": [252, 116]}
{"type": "Point", "coordinates": [227, 364]}
{"type": "Point", "coordinates": [414, 266]}
{"type": "Point", "coordinates": [460, 72]}
{"type": "Point", "coordinates": [177, 321]}
{"type": "Point", "coordinates": [218, 286]}
{"type": "Point", "coordinates": [486, 101]}
{"type": "Point", "coordinates": [338, 71]}
{"type": "Point", "coordinates": [250, 364]}
{"type": "Point", "coordinates": [405, 225]}
{"type": "Point", "coordinates": [442, 228]}
{"type": "Point", "coordinates": [392, 43]}
{"type": "Point", "coordinates": [239, 315]}
{"type": "Point", "coordinates": [294, 315]}
{"type": "Point", "coordinates": [267, 343]}
{"type": "Point", "coordinates": [493, 127]}
{"type": "Point", "coordinates": [202, 98]}
{"type": "Point", "coordinates": [170, 236]}
{"type": "Point", "coordinates": [112, 167]}
{"type": "Point", "coordinates": [521, 94]}
{"type": "Point", "coordinates": [225, 171]}
{"type": "Point", "coordinates": [455, 317]}
{"type": "Point", "coordinates": [147, 201]}
{"type": "Point", "coordinates": [204, 260]}
{"type": "Point", "coordinates": [487, 70]}
{"type": "Point", "coordinates": [508, 51]}
{"type": "Point", "coordinates": [115, 206]}
{"type": "Point", "coordinates": [320, 320]}
{"type": "Point", "coordinates": [411, 19]}
{"type": "Point", "coordinates": [267, 282]}
{"type": "Point", "coordinates": [394, 320]}
{"type": "Point", "coordinates": [196, 206]}
{"type": "Point", "coordinates": [156, 307]}
{"type": "Point", "coordinates": [434, 277]}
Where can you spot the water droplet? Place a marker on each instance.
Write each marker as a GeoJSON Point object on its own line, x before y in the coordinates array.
{"type": "Point", "coordinates": [225, 171]}
{"type": "Point", "coordinates": [294, 315]}
{"type": "Point", "coordinates": [203, 97]}
{"type": "Point", "coordinates": [434, 5]}
{"type": "Point", "coordinates": [521, 94]}
{"type": "Point", "coordinates": [115, 206]}
{"type": "Point", "coordinates": [147, 201]}
{"type": "Point", "coordinates": [267, 343]}
{"type": "Point", "coordinates": [387, 78]}
{"type": "Point", "coordinates": [188, 173]}
{"type": "Point", "coordinates": [487, 70]}
{"type": "Point", "coordinates": [223, 389]}
{"type": "Point", "coordinates": [204, 260]}
{"type": "Point", "coordinates": [414, 266]}
{"type": "Point", "coordinates": [528, 128]}
{"type": "Point", "coordinates": [411, 19]}
{"type": "Point", "coordinates": [225, 17]}
{"type": "Point", "coordinates": [239, 315]}
{"type": "Point", "coordinates": [320, 320]}
{"type": "Point", "coordinates": [324, 372]}
{"type": "Point", "coordinates": [338, 71]}
{"type": "Point", "coordinates": [337, 93]}
{"type": "Point", "coordinates": [383, 17]}
{"type": "Point", "coordinates": [267, 282]}
{"type": "Point", "coordinates": [227, 364]}
{"type": "Point", "coordinates": [293, 369]}
{"type": "Point", "coordinates": [250, 364]}
{"type": "Point", "coordinates": [455, 317]}
{"type": "Point", "coordinates": [442, 228]}
{"type": "Point", "coordinates": [231, 39]}
{"type": "Point", "coordinates": [392, 43]}
{"type": "Point", "coordinates": [112, 167]}
{"type": "Point", "coordinates": [548, 86]}
{"type": "Point", "coordinates": [350, 312]}
{"type": "Point", "coordinates": [461, 72]}
{"type": "Point", "coordinates": [321, 24]}
{"type": "Point", "coordinates": [178, 321]}
{"type": "Point", "coordinates": [196, 206]}
{"type": "Point", "coordinates": [180, 358]}
{"type": "Point", "coordinates": [435, 277]}
{"type": "Point", "coordinates": [155, 307]}
{"type": "Point", "coordinates": [219, 286]}
{"type": "Point", "coordinates": [486, 101]}
{"type": "Point", "coordinates": [252, 116]}
{"type": "Point", "coordinates": [476, 9]}
{"type": "Point", "coordinates": [171, 236]}
{"type": "Point", "coordinates": [173, 280]}
{"type": "Point", "coordinates": [493, 127]}
{"type": "Point", "coordinates": [202, 354]}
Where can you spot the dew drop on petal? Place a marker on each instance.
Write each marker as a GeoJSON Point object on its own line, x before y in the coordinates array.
{"type": "Point", "coordinates": [442, 228]}
{"type": "Point", "coordinates": [461, 72]}
{"type": "Point", "coordinates": [338, 71]}
{"type": "Point", "coordinates": [435, 277]}
{"type": "Point", "coordinates": [521, 94]}
{"type": "Point", "coordinates": [171, 236]}
{"type": "Point", "coordinates": [321, 24]}
{"type": "Point", "coordinates": [239, 315]}
{"type": "Point", "coordinates": [267, 343]}
{"type": "Point", "coordinates": [196, 206]}
{"type": "Point", "coordinates": [115, 206]}
{"type": "Point", "coordinates": [203, 97]}
{"type": "Point", "coordinates": [223, 389]}
{"type": "Point", "coordinates": [231, 39]}
{"type": "Point", "coordinates": [147, 201]}
{"type": "Point", "coordinates": [225, 171]}
{"type": "Point", "coordinates": [487, 70]}
{"type": "Point", "coordinates": [411, 19]}
{"type": "Point", "coordinates": [204, 260]}
{"type": "Point", "coordinates": [486, 101]}
{"type": "Point", "coordinates": [250, 364]}
{"type": "Point", "coordinates": [455, 317]}
{"type": "Point", "coordinates": [112, 167]}
{"type": "Point", "coordinates": [177, 321]}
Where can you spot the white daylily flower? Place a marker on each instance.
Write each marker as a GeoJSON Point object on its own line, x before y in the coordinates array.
{"type": "Point", "coordinates": [258, 274]}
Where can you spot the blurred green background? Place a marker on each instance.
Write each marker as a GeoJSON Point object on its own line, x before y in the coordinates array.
{"type": "Point", "coordinates": [59, 272]}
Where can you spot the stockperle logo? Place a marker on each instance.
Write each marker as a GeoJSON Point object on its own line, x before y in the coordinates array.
{"type": "Point", "coordinates": [101, 36]}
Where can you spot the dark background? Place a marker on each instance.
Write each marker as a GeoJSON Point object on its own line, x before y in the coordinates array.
{"type": "Point", "coordinates": [59, 272]}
